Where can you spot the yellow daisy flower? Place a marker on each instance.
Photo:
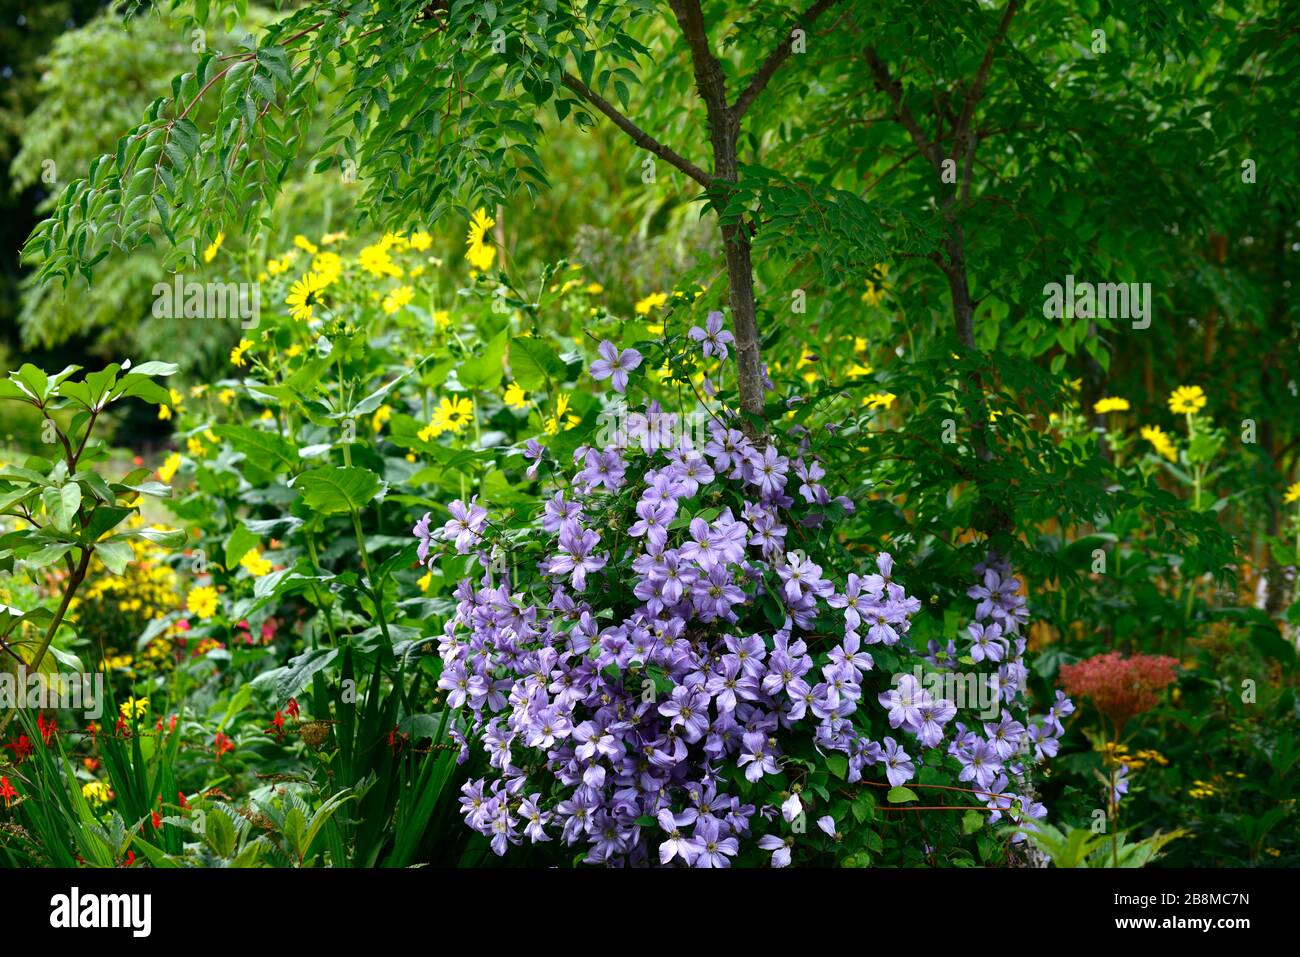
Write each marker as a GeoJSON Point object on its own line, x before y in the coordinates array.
{"type": "Point", "coordinates": [1160, 442]}
{"type": "Point", "coordinates": [256, 565]}
{"type": "Point", "coordinates": [480, 253]}
{"type": "Point", "coordinates": [1187, 399]}
{"type": "Point", "coordinates": [168, 469]}
{"type": "Point", "coordinates": [452, 415]}
{"type": "Point", "coordinates": [211, 252]}
{"type": "Point", "coordinates": [652, 301]}
{"type": "Point", "coordinates": [1292, 494]}
{"type": "Point", "coordinates": [237, 355]}
{"type": "Point", "coordinates": [1110, 404]}
{"type": "Point", "coordinates": [399, 298]}
{"type": "Point", "coordinates": [304, 296]}
{"type": "Point", "coordinates": [202, 601]}
{"type": "Point", "coordinates": [516, 397]}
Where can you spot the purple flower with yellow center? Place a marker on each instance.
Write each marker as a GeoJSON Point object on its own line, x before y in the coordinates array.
{"type": "Point", "coordinates": [780, 848]}
{"type": "Point", "coordinates": [756, 756]}
{"type": "Point", "coordinates": [980, 763]}
{"type": "Point", "coordinates": [465, 525]}
{"type": "Point", "coordinates": [652, 522]}
{"type": "Point", "coordinates": [691, 470]}
{"type": "Point", "coordinates": [688, 710]}
{"type": "Point", "coordinates": [575, 556]}
{"type": "Point", "coordinates": [1005, 736]}
{"type": "Point", "coordinates": [898, 764]}
{"type": "Point", "coordinates": [904, 702]}
{"type": "Point", "coordinates": [712, 848]}
{"type": "Point", "coordinates": [558, 513]}
{"type": "Point", "coordinates": [767, 470]}
{"type": "Point", "coordinates": [714, 337]}
{"type": "Point", "coordinates": [425, 534]}
{"type": "Point", "coordinates": [857, 593]}
{"type": "Point", "coordinates": [714, 593]}
{"type": "Point", "coordinates": [677, 844]}
{"type": "Point", "coordinates": [615, 365]}
{"type": "Point", "coordinates": [931, 719]}
{"type": "Point", "coordinates": [703, 547]}
{"type": "Point", "coordinates": [987, 642]}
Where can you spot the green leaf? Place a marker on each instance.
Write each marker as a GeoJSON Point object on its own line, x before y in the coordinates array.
{"type": "Point", "coordinates": [485, 371]}
{"type": "Point", "coordinates": [901, 795]}
{"type": "Point", "coordinates": [533, 362]}
{"type": "Point", "coordinates": [219, 832]}
{"type": "Point", "coordinates": [240, 543]}
{"type": "Point", "coordinates": [267, 452]}
{"type": "Point", "coordinates": [47, 555]}
{"type": "Point", "coordinates": [331, 491]}
{"type": "Point", "coordinates": [298, 672]}
{"type": "Point", "coordinates": [115, 555]}
{"type": "Point", "coordinates": [62, 504]}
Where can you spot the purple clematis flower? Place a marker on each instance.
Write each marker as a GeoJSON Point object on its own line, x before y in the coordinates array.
{"type": "Point", "coordinates": [465, 525]}
{"type": "Point", "coordinates": [615, 365]}
{"type": "Point", "coordinates": [713, 335]}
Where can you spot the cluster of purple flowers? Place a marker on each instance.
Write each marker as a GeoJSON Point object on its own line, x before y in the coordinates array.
{"type": "Point", "coordinates": [996, 756]}
{"type": "Point", "coordinates": [617, 692]}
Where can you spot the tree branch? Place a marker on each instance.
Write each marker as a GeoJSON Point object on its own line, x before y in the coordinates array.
{"type": "Point", "coordinates": [639, 136]}
{"type": "Point", "coordinates": [965, 140]}
{"type": "Point", "coordinates": [894, 90]}
{"type": "Point", "coordinates": [774, 59]}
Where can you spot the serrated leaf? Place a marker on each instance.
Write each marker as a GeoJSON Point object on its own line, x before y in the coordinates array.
{"type": "Point", "coordinates": [332, 491]}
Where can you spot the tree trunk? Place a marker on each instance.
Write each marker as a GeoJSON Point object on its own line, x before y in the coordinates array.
{"type": "Point", "coordinates": [724, 127]}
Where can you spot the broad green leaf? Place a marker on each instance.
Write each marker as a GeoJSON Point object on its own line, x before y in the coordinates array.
{"type": "Point", "coordinates": [115, 555]}
{"type": "Point", "coordinates": [533, 362]}
{"type": "Point", "coordinates": [240, 542]}
{"type": "Point", "coordinates": [62, 504]}
{"type": "Point", "coordinates": [331, 491]}
{"type": "Point", "coordinates": [485, 371]}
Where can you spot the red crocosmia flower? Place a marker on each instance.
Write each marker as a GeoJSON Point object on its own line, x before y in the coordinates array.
{"type": "Point", "coordinates": [47, 728]}
{"type": "Point", "coordinates": [292, 708]}
{"type": "Point", "coordinates": [396, 739]}
{"type": "Point", "coordinates": [158, 726]}
{"type": "Point", "coordinates": [137, 460]}
{"type": "Point", "coordinates": [222, 744]}
{"type": "Point", "coordinates": [130, 859]}
{"type": "Point", "coordinates": [156, 818]}
{"type": "Point", "coordinates": [121, 729]}
{"type": "Point", "coordinates": [94, 732]}
{"type": "Point", "coordinates": [180, 799]}
{"type": "Point", "coordinates": [277, 726]}
{"type": "Point", "coordinates": [22, 747]}
{"type": "Point", "coordinates": [7, 791]}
